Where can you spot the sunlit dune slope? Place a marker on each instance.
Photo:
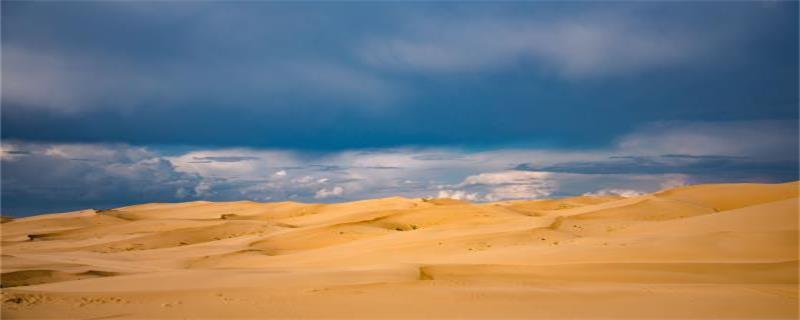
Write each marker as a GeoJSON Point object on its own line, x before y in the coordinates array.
{"type": "Point", "coordinates": [706, 251]}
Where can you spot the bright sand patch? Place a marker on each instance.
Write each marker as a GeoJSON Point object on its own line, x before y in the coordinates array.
{"type": "Point", "coordinates": [707, 251]}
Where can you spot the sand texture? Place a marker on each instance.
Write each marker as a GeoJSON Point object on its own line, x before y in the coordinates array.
{"type": "Point", "coordinates": [703, 252]}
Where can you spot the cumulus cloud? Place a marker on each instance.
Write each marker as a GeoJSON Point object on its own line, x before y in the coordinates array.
{"type": "Point", "coordinates": [459, 195]}
{"type": "Point", "coordinates": [505, 177]}
{"type": "Point", "coordinates": [327, 193]}
{"type": "Point", "coordinates": [493, 186]}
{"type": "Point", "coordinates": [521, 191]}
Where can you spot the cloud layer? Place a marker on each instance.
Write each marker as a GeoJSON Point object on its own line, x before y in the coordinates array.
{"type": "Point", "coordinates": [40, 177]}
{"type": "Point", "coordinates": [340, 76]}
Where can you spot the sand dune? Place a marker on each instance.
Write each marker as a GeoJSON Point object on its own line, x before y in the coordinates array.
{"type": "Point", "coordinates": [706, 251]}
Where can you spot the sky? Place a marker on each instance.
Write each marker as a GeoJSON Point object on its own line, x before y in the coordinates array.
{"type": "Point", "coordinates": [106, 104]}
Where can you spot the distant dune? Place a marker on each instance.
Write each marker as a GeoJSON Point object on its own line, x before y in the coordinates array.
{"type": "Point", "coordinates": [705, 251]}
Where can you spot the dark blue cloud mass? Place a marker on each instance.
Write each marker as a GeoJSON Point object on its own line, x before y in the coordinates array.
{"type": "Point", "coordinates": [326, 76]}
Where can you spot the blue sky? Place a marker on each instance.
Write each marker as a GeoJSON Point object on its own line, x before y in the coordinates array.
{"type": "Point", "coordinates": [112, 103]}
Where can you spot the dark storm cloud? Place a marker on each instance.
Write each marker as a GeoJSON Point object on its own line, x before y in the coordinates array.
{"type": "Point", "coordinates": [332, 76]}
{"type": "Point", "coordinates": [51, 179]}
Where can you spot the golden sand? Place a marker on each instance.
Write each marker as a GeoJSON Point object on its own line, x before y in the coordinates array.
{"type": "Point", "coordinates": [706, 251]}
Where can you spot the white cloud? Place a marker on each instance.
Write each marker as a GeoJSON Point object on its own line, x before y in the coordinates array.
{"type": "Point", "coordinates": [281, 173]}
{"type": "Point", "coordinates": [327, 193]}
{"type": "Point", "coordinates": [201, 162]}
{"type": "Point", "coordinates": [458, 195]}
{"type": "Point", "coordinates": [627, 193]}
{"type": "Point", "coordinates": [493, 186]}
{"type": "Point", "coordinates": [506, 177]}
{"type": "Point", "coordinates": [521, 191]}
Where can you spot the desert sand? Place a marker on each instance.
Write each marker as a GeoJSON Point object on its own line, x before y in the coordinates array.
{"type": "Point", "coordinates": [704, 251]}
